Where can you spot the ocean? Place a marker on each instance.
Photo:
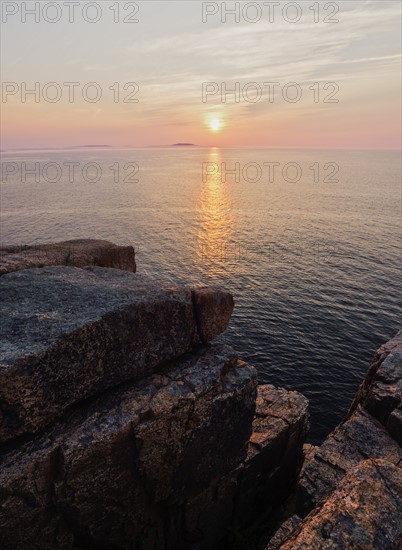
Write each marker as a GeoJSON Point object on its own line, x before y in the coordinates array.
{"type": "Point", "coordinates": [308, 242]}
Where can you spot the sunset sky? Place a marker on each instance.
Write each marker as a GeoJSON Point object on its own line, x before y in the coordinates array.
{"type": "Point", "coordinates": [170, 53]}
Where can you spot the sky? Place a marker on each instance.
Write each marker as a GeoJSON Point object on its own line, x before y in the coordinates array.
{"type": "Point", "coordinates": [338, 83]}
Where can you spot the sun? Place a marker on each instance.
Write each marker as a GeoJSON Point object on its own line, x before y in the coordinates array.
{"type": "Point", "coordinates": [215, 124]}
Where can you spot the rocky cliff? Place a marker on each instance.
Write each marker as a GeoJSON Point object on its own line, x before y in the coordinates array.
{"type": "Point", "coordinates": [122, 427]}
{"type": "Point", "coordinates": [69, 334]}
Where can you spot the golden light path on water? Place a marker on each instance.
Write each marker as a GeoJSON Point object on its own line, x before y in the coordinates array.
{"type": "Point", "coordinates": [216, 220]}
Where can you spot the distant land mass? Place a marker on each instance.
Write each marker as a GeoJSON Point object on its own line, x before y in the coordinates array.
{"type": "Point", "coordinates": [82, 146]}
{"type": "Point", "coordinates": [100, 146]}
{"type": "Point", "coordinates": [183, 145]}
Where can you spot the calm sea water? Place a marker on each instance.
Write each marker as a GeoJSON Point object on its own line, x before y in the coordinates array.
{"type": "Point", "coordinates": [311, 256]}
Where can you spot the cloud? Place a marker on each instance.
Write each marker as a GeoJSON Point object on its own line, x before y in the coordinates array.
{"type": "Point", "coordinates": [171, 58]}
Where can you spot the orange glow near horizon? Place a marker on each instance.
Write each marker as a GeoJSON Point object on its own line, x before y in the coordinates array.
{"type": "Point", "coordinates": [204, 83]}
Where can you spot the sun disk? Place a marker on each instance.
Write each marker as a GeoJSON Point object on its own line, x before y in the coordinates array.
{"type": "Point", "coordinates": [215, 124]}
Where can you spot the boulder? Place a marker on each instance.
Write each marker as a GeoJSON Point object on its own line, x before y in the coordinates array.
{"type": "Point", "coordinates": [78, 253]}
{"type": "Point", "coordinates": [213, 311]}
{"type": "Point", "coordinates": [120, 471]}
{"type": "Point", "coordinates": [69, 334]}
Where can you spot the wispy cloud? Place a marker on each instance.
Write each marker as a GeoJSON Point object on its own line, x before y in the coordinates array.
{"type": "Point", "coordinates": [170, 61]}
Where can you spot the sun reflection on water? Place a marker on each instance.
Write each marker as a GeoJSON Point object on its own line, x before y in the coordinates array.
{"type": "Point", "coordinates": [216, 220]}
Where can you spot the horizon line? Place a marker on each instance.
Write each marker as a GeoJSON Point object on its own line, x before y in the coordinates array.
{"type": "Point", "coordinates": [192, 146]}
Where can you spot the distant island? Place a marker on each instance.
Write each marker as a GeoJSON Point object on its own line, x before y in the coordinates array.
{"type": "Point", "coordinates": [89, 146]}
{"type": "Point", "coordinates": [183, 145]}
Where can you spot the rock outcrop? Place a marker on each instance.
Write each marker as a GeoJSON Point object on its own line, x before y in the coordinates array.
{"type": "Point", "coordinates": [78, 253]}
{"type": "Point", "coordinates": [381, 392]}
{"type": "Point", "coordinates": [122, 428]}
{"type": "Point", "coordinates": [360, 437]}
{"type": "Point", "coordinates": [363, 512]}
{"type": "Point", "coordinates": [68, 334]}
{"type": "Point", "coordinates": [119, 470]}
{"type": "Point", "coordinates": [350, 489]}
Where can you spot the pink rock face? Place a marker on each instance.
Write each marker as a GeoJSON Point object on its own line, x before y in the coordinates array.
{"type": "Point", "coordinates": [364, 512]}
{"type": "Point", "coordinates": [69, 334]}
{"type": "Point", "coordinates": [213, 310]}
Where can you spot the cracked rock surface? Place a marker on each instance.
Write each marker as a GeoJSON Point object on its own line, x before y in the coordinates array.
{"type": "Point", "coordinates": [69, 334]}
{"type": "Point", "coordinates": [371, 430]}
{"type": "Point", "coordinates": [359, 438]}
{"type": "Point", "coordinates": [118, 471]}
{"type": "Point", "coordinates": [275, 450]}
{"type": "Point", "coordinates": [121, 427]}
{"type": "Point", "coordinates": [364, 512]}
{"type": "Point", "coordinates": [242, 502]}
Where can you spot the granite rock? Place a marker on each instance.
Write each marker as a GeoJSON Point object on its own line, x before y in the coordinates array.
{"type": "Point", "coordinates": [69, 334]}
{"type": "Point", "coordinates": [118, 472]}
{"type": "Point", "coordinates": [350, 487]}
{"type": "Point", "coordinates": [275, 453]}
{"type": "Point", "coordinates": [394, 425]}
{"type": "Point", "coordinates": [287, 530]}
{"type": "Point", "coordinates": [364, 512]}
{"type": "Point", "coordinates": [359, 438]}
{"type": "Point", "coordinates": [381, 392]}
{"type": "Point", "coordinates": [234, 510]}
{"type": "Point", "coordinates": [213, 311]}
